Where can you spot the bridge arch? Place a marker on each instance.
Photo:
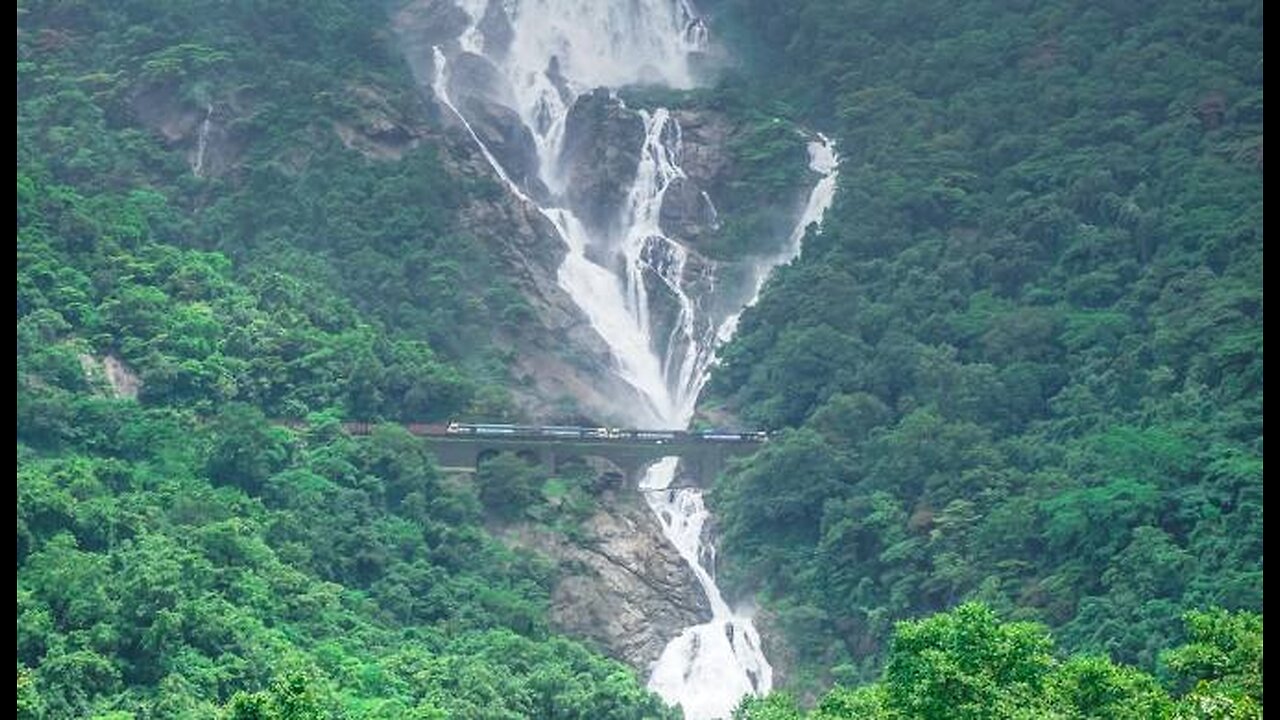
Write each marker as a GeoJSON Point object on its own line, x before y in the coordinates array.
{"type": "Point", "coordinates": [613, 460]}
{"type": "Point", "coordinates": [607, 470]}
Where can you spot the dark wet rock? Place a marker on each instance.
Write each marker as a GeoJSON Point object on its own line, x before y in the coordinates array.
{"type": "Point", "coordinates": [164, 110]}
{"type": "Point", "coordinates": [706, 158]}
{"type": "Point", "coordinates": [376, 128]}
{"type": "Point", "coordinates": [471, 76]}
{"type": "Point", "coordinates": [687, 213]}
{"type": "Point", "coordinates": [602, 146]}
{"type": "Point", "coordinates": [503, 132]}
{"type": "Point", "coordinates": [430, 22]}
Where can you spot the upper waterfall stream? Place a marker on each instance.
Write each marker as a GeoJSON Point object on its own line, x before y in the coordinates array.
{"type": "Point", "coordinates": [554, 52]}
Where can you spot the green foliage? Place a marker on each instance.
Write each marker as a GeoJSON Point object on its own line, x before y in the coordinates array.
{"type": "Point", "coordinates": [1028, 336]}
{"type": "Point", "coordinates": [1094, 687]}
{"type": "Point", "coordinates": [194, 335]}
{"type": "Point", "coordinates": [181, 563]}
{"type": "Point", "coordinates": [509, 483]}
{"type": "Point", "coordinates": [183, 554]}
{"type": "Point", "coordinates": [967, 664]}
{"type": "Point", "coordinates": [775, 706]}
{"type": "Point", "coordinates": [289, 698]}
{"type": "Point", "coordinates": [358, 260]}
{"type": "Point", "coordinates": [1221, 664]}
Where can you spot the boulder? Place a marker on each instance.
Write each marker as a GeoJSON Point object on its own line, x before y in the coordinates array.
{"type": "Point", "coordinates": [705, 158]}
{"type": "Point", "coordinates": [598, 162]}
{"type": "Point", "coordinates": [496, 29]}
{"type": "Point", "coordinates": [472, 75]}
{"type": "Point", "coordinates": [687, 213]}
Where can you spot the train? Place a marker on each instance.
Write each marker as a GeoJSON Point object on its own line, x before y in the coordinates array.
{"type": "Point", "coordinates": [567, 432]}
{"type": "Point", "coordinates": [603, 433]}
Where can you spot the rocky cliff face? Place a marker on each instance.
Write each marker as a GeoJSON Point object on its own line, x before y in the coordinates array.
{"type": "Point", "coordinates": [621, 586]}
{"type": "Point", "coordinates": [484, 97]}
{"type": "Point", "coordinates": [602, 141]}
{"type": "Point", "coordinates": [687, 211]}
{"type": "Point", "coordinates": [558, 363]}
{"type": "Point", "coordinates": [430, 22]}
{"type": "Point", "coordinates": [688, 208]}
{"type": "Point", "coordinates": [205, 135]}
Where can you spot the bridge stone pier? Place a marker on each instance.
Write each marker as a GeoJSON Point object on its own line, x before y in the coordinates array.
{"type": "Point", "coordinates": [702, 459]}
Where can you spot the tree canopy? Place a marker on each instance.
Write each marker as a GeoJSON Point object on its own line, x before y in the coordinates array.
{"type": "Point", "coordinates": [1021, 360]}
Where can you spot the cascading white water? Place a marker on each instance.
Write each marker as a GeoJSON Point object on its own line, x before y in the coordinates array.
{"type": "Point", "coordinates": [708, 667]}
{"type": "Point", "coordinates": [596, 290]}
{"type": "Point", "coordinates": [822, 160]}
{"type": "Point", "coordinates": [202, 142]}
{"type": "Point", "coordinates": [557, 50]}
{"type": "Point", "coordinates": [648, 252]}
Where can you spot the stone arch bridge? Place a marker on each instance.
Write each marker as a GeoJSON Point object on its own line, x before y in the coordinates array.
{"type": "Point", "coordinates": [703, 455]}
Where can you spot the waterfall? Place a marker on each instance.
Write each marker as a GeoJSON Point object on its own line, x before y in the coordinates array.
{"type": "Point", "coordinates": [202, 142]}
{"type": "Point", "coordinates": [708, 667]}
{"type": "Point", "coordinates": [551, 52]}
{"type": "Point", "coordinates": [822, 160]}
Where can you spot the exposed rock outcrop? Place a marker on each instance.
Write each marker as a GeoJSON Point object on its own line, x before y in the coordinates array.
{"type": "Point", "coordinates": [706, 158]}
{"type": "Point", "coordinates": [472, 76]}
{"type": "Point", "coordinates": [484, 97]}
{"type": "Point", "coordinates": [212, 147]}
{"type": "Point", "coordinates": [431, 22]}
{"type": "Point", "coordinates": [506, 136]}
{"type": "Point", "coordinates": [622, 585]}
{"type": "Point", "coordinates": [158, 107]}
{"type": "Point", "coordinates": [602, 143]}
{"type": "Point", "coordinates": [112, 373]}
{"type": "Point", "coordinates": [496, 29]}
{"type": "Point", "coordinates": [687, 212]}
{"type": "Point", "coordinates": [782, 656]}
{"type": "Point", "coordinates": [379, 130]}
{"type": "Point", "coordinates": [558, 361]}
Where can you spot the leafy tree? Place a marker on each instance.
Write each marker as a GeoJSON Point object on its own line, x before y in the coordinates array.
{"type": "Point", "coordinates": [290, 698]}
{"type": "Point", "coordinates": [967, 664]}
{"type": "Point", "coordinates": [1221, 664]}
{"type": "Point", "coordinates": [508, 483]}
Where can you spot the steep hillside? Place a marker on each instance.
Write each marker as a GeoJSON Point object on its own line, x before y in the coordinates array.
{"type": "Point", "coordinates": [229, 213]}
{"type": "Point", "coordinates": [1022, 361]}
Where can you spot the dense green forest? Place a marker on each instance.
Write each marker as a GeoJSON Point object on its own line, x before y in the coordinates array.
{"type": "Point", "coordinates": [179, 555]}
{"type": "Point", "coordinates": [111, 95]}
{"type": "Point", "coordinates": [1022, 361]}
{"type": "Point", "coordinates": [1015, 380]}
